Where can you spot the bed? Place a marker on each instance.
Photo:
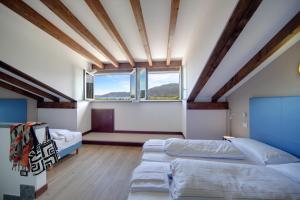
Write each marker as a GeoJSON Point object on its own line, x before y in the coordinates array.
{"type": "Point", "coordinates": [273, 121]}
{"type": "Point", "coordinates": [66, 141]}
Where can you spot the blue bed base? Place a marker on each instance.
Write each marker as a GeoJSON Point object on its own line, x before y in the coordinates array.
{"type": "Point", "coordinates": [69, 150]}
{"type": "Point", "coordinates": [276, 121]}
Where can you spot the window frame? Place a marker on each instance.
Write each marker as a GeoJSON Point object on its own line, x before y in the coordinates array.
{"type": "Point", "coordinates": [164, 100]}
{"type": "Point", "coordinates": [115, 100]}
{"type": "Point", "coordinates": [137, 86]}
{"type": "Point", "coordinates": [85, 73]}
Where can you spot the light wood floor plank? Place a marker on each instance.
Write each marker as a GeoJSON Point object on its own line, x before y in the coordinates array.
{"type": "Point", "coordinates": [97, 172]}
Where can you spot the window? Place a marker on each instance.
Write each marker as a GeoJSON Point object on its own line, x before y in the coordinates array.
{"type": "Point", "coordinates": [164, 85]}
{"type": "Point", "coordinates": [140, 84]}
{"type": "Point", "coordinates": [89, 86]}
{"type": "Point", "coordinates": [113, 86]}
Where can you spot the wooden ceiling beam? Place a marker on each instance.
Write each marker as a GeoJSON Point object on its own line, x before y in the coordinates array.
{"type": "Point", "coordinates": [67, 16]}
{"type": "Point", "coordinates": [20, 91]}
{"type": "Point", "coordinates": [172, 27]}
{"type": "Point", "coordinates": [138, 15]}
{"type": "Point", "coordinates": [35, 18]}
{"type": "Point", "coordinates": [207, 106]}
{"type": "Point", "coordinates": [26, 86]}
{"type": "Point", "coordinates": [156, 65]}
{"type": "Point", "coordinates": [235, 25]}
{"type": "Point", "coordinates": [101, 14]}
{"type": "Point", "coordinates": [33, 80]}
{"type": "Point", "coordinates": [285, 34]}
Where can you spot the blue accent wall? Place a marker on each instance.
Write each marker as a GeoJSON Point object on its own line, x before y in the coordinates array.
{"type": "Point", "coordinates": [276, 121]}
{"type": "Point", "coordinates": [13, 110]}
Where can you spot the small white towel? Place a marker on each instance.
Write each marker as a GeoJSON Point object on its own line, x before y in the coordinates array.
{"type": "Point", "coordinates": [154, 142]}
{"type": "Point", "coordinates": [149, 182]}
{"type": "Point", "coordinates": [156, 167]}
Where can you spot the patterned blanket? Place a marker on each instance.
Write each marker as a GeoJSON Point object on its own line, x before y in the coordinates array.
{"type": "Point", "coordinates": [21, 145]}
{"type": "Point", "coordinates": [27, 153]}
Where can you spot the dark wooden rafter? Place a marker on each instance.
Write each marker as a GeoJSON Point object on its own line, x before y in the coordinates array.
{"type": "Point", "coordinates": [33, 80]}
{"type": "Point", "coordinates": [138, 14]}
{"type": "Point", "coordinates": [285, 34]}
{"type": "Point", "coordinates": [61, 105]}
{"type": "Point", "coordinates": [238, 20]}
{"type": "Point", "coordinates": [26, 86]}
{"type": "Point", "coordinates": [172, 27]}
{"type": "Point", "coordinates": [207, 106]}
{"type": "Point", "coordinates": [156, 65]}
{"type": "Point", "coordinates": [101, 14]}
{"type": "Point", "coordinates": [20, 91]}
{"type": "Point", "coordinates": [35, 18]}
{"type": "Point", "coordinates": [67, 16]}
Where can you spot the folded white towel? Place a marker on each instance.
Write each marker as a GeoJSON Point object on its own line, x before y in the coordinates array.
{"type": "Point", "coordinates": [62, 134]}
{"type": "Point", "coordinates": [158, 167]}
{"type": "Point", "coordinates": [150, 182]}
{"type": "Point", "coordinates": [202, 148]}
{"type": "Point", "coordinates": [154, 142]}
{"type": "Point", "coordinates": [147, 148]}
{"type": "Point", "coordinates": [69, 137]}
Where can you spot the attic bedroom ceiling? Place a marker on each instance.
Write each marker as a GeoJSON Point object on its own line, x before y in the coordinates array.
{"type": "Point", "coordinates": [194, 16]}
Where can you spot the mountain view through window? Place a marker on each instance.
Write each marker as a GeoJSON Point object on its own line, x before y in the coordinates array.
{"type": "Point", "coordinates": [160, 86]}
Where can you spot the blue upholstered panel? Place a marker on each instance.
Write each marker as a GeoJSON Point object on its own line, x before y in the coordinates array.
{"type": "Point", "coordinates": [13, 110]}
{"type": "Point", "coordinates": [276, 121]}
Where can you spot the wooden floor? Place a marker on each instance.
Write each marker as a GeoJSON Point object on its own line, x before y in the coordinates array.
{"type": "Point", "coordinates": [97, 172]}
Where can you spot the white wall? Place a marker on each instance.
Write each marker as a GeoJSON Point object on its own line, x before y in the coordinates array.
{"type": "Point", "coordinates": [145, 116]}
{"type": "Point", "coordinates": [31, 103]}
{"type": "Point", "coordinates": [83, 116]}
{"type": "Point", "coordinates": [206, 124]}
{"type": "Point", "coordinates": [59, 118]}
{"type": "Point", "coordinates": [205, 38]}
{"type": "Point", "coordinates": [34, 52]}
{"type": "Point", "coordinates": [279, 78]}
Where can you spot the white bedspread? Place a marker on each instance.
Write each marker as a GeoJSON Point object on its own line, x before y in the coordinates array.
{"type": "Point", "coordinates": [194, 179]}
{"type": "Point", "coordinates": [163, 157]}
{"type": "Point", "coordinates": [202, 148]}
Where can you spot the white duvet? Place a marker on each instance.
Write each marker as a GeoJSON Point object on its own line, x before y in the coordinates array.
{"type": "Point", "coordinates": [202, 148]}
{"type": "Point", "coordinates": [194, 179]}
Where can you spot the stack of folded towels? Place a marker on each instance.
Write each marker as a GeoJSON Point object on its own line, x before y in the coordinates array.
{"type": "Point", "coordinates": [151, 176]}
{"type": "Point", "coordinates": [154, 145]}
{"type": "Point", "coordinates": [61, 134]}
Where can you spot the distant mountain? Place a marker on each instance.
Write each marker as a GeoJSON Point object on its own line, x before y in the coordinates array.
{"type": "Point", "coordinates": [171, 89]}
{"type": "Point", "coordinates": [114, 94]}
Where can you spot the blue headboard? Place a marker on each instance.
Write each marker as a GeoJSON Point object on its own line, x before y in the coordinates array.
{"type": "Point", "coordinates": [276, 121]}
{"type": "Point", "coordinates": [13, 110]}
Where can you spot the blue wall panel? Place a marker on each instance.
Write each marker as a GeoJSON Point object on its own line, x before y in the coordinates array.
{"type": "Point", "coordinates": [276, 121]}
{"type": "Point", "coordinates": [13, 110]}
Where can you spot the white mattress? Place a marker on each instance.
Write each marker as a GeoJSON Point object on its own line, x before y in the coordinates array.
{"type": "Point", "coordinates": [62, 144]}
{"type": "Point", "coordinates": [149, 196]}
{"type": "Point", "coordinates": [163, 157]}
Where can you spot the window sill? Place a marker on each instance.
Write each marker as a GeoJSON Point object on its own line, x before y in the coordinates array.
{"type": "Point", "coordinates": [141, 101]}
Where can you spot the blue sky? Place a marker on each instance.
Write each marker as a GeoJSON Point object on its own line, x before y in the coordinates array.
{"type": "Point", "coordinates": [121, 82]}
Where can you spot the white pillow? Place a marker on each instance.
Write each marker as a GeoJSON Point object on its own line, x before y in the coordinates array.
{"type": "Point", "coordinates": [263, 153]}
{"type": "Point", "coordinates": [291, 170]}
